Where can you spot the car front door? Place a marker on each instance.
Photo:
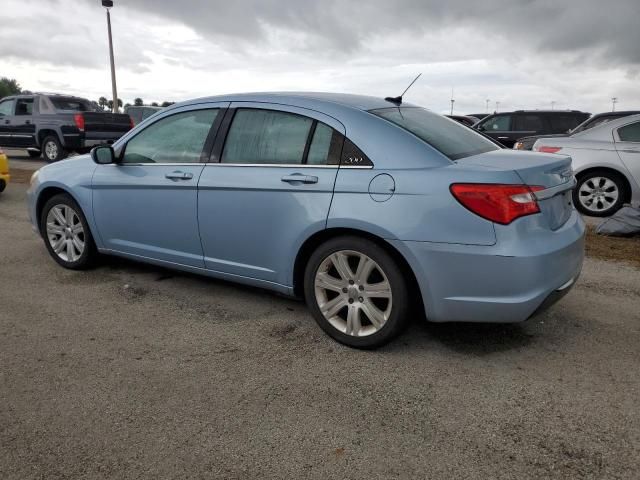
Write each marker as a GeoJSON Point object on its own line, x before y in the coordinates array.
{"type": "Point", "coordinates": [269, 187]}
{"type": "Point", "coordinates": [6, 122]}
{"type": "Point", "coordinates": [628, 146]}
{"type": "Point", "coordinates": [146, 204]}
{"type": "Point", "coordinates": [498, 127]}
{"type": "Point", "coordinates": [24, 130]}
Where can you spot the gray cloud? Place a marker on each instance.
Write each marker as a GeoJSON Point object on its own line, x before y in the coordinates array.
{"type": "Point", "coordinates": [607, 31]}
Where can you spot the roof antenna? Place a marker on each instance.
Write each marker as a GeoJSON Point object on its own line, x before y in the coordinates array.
{"type": "Point", "coordinates": [398, 100]}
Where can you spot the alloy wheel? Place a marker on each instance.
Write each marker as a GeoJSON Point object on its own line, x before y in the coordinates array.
{"type": "Point", "coordinates": [598, 194]}
{"type": "Point", "coordinates": [65, 233]}
{"type": "Point", "coordinates": [51, 150]}
{"type": "Point", "coordinates": [353, 293]}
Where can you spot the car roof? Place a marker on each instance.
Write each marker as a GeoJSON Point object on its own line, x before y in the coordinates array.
{"type": "Point", "coordinates": [542, 111]}
{"type": "Point", "coordinates": [603, 131]}
{"type": "Point", "coordinates": [307, 99]}
{"type": "Point", "coordinates": [616, 114]}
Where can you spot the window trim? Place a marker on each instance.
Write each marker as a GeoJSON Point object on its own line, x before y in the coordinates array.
{"type": "Point", "coordinates": [206, 148]}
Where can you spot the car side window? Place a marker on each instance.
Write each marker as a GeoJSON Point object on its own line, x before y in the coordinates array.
{"type": "Point", "coordinates": [266, 137]}
{"type": "Point", "coordinates": [24, 106]}
{"type": "Point", "coordinates": [528, 123]}
{"type": "Point", "coordinates": [179, 138]}
{"type": "Point", "coordinates": [630, 133]}
{"type": "Point", "coordinates": [500, 123]}
{"type": "Point", "coordinates": [6, 107]}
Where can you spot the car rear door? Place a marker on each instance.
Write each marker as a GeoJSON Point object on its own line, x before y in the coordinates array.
{"type": "Point", "coordinates": [146, 205]}
{"type": "Point", "coordinates": [267, 188]}
{"type": "Point", "coordinates": [627, 139]}
{"type": "Point", "coordinates": [24, 130]}
{"type": "Point", "coordinates": [528, 124]}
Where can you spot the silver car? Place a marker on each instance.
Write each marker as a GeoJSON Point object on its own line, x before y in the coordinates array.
{"type": "Point", "coordinates": [606, 162]}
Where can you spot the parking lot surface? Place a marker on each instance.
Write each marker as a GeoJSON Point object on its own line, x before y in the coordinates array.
{"type": "Point", "coordinates": [131, 371]}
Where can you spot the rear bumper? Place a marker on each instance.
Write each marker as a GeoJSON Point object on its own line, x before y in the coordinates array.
{"type": "Point", "coordinates": [502, 284]}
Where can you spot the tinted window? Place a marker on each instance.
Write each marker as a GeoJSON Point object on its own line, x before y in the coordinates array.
{"type": "Point", "coordinates": [267, 137]}
{"type": "Point", "coordinates": [630, 133]}
{"type": "Point", "coordinates": [6, 107]}
{"type": "Point", "coordinates": [325, 146]}
{"type": "Point", "coordinates": [179, 138]}
{"type": "Point", "coordinates": [447, 136]}
{"type": "Point", "coordinates": [24, 106]}
{"type": "Point", "coordinates": [353, 156]}
{"type": "Point", "coordinates": [563, 123]}
{"type": "Point", "coordinates": [70, 103]}
{"type": "Point", "coordinates": [532, 123]}
{"type": "Point", "coordinates": [501, 123]}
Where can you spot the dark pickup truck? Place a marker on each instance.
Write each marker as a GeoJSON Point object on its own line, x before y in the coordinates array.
{"type": "Point", "coordinates": [53, 125]}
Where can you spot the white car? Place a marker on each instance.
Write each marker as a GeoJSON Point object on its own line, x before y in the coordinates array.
{"type": "Point", "coordinates": [606, 163]}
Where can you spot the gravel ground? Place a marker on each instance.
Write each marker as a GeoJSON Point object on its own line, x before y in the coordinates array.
{"type": "Point", "coordinates": [129, 371]}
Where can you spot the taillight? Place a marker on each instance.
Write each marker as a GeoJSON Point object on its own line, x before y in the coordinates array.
{"type": "Point", "coordinates": [497, 202]}
{"type": "Point", "coordinates": [546, 149]}
{"type": "Point", "coordinates": [79, 119]}
{"type": "Point", "coordinates": [131, 124]}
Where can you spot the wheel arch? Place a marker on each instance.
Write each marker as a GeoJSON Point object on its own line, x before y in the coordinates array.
{"type": "Point", "coordinates": [315, 240]}
{"type": "Point", "coordinates": [49, 192]}
{"type": "Point", "coordinates": [47, 131]}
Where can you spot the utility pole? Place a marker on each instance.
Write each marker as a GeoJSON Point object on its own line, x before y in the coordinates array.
{"type": "Point", "coordinates": [487, 105]}
{"type": "Point", "coordinates": [497, 106]}
{"type": "Point", "coordinates": [452, 101]}
{"type": "Point", "coordinates": [553, 104]}
{"type": "Point", "coordinates": [614, 100]}
{"type": "Point", "coordinates": [108, 4]}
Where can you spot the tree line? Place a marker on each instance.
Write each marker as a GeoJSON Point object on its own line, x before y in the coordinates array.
{"type": "Point", "coordinates": [10, 86]}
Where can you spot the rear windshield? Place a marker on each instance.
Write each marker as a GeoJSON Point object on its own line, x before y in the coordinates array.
{"type": "Point", "coordinates": [70, 103]}
{"type": "Point", "coordinates": [447, 136]}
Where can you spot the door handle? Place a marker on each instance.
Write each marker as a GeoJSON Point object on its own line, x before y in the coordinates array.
{"type": "Point", "coordinates": [27, 122]}
{"type": "Point", "coordinates": [299, 178]}
{"type": "Point", "coordinates": [7, 122]}
{"type": "Point", "coordinates": [179, 175]}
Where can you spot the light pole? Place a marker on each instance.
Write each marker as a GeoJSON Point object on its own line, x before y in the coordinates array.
{"type": "Point", "coordinates": [614, 100]}
{"type": "Point", "coordinates": [108, 4]}
{"type": "Point", "coordinates": [452, 101]}
{"type": "Point", "coordinates": [497, 106]}
{"type": "Point", "coordinates": [553, 104]}
{"type": "Point", "coordinates": [487, 100]}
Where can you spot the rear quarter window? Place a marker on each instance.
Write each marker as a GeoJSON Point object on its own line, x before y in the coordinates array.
{"type": "Point", "coordinates": [452, 139]}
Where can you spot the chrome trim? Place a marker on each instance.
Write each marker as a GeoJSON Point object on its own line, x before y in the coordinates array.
{"type": "Point", "coordinates": [70, 134]}
{"type": "Point", "coordinates": [191, 164]}
{"type": "Point", "coordinates": [22, 136]}
{"type": "Point", "coordinates": [553, 191]}
{"type": "Point", "coordinates": [277, 165]}
{"type": "Point", "coordinates": [566, 285]}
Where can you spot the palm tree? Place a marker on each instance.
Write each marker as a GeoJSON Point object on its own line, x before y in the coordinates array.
{"type": "Point", "coordinates": [138, 102]}
{"type": "Point", "coordinates": [102, 101]}
{"type": "Point", "coordinates": [155, 104]}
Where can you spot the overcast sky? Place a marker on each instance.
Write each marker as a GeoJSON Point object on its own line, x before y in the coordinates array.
{"type": "Point", "coordinates": [522, 53]}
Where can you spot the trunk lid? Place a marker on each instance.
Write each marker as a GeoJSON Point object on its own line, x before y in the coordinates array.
{"type": "Point", "coordinates": [553, 172]}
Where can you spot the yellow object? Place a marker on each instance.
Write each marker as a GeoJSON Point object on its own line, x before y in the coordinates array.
{"type": "Point", "coordinates": [4, 170]}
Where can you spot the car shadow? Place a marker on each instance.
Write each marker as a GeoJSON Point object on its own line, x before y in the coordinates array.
{"type": "Point", "coordinates": [464, 338]}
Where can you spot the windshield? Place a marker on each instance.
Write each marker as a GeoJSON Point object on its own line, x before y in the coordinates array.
{"type": "Point", "coordinates": [447, 136]}
{"type": "Point", "coordinates": [70, 103]}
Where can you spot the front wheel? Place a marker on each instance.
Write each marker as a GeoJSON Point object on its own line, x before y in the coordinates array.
{"type": "Point", "coordinates": [356, 292]}
{"type": "Point", "coordinates": [66, 233]}
{"type": "Point", "coordinates": [599, 193]}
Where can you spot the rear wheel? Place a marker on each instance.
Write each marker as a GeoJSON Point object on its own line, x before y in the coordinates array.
{"type": "Point", "coordinates": [356, 292]}
{"type": "Point", "coordinates": [52, 149]}
{"type": "Point", "coordinates": [66, 233]}
{"type": "Point", "coordinates": [600, 193]}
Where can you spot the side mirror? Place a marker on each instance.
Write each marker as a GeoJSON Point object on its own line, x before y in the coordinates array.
{"type": "Point", "coordinates": [103, 154]}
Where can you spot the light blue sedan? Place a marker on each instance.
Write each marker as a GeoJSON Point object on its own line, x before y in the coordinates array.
{"type": "Point", "coordinates": [363, 206]}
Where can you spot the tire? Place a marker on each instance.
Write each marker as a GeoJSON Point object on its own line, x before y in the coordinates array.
{"type": "Point", "coordinates": [356, 316]}
{"type": "Point", "coordinates": [600, 193]}
{"type": "Point", "coordinates": [52, 149]}
{"type": "Point", "coordinates": [3, 185]}
{"type": "Point", "coordinates": [58, 213]}
{"type": "Point", "coordinates": [34, 153]}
